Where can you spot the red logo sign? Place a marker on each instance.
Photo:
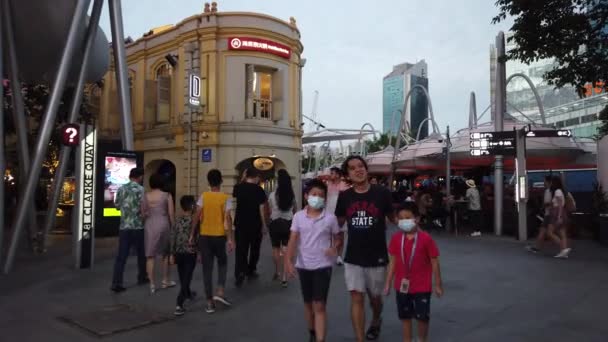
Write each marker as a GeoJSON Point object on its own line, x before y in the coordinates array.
{"type": "Point", "coordinates": [260, 45]}
{"type": "Point", "coordinates": [70, 135]}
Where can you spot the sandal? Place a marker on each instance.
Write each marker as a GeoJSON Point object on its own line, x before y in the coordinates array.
{"type": "Point", "coordinates": [166, 285]}
{"type": "Point", "coordinates": [374, 331]}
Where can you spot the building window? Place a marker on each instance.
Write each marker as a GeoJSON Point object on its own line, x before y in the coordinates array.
{"type": "Point", "coordinates": [560, 124]}
{"type": "Point", "coordinates": [163, 93]}
{"type": "Point", "coordinates": [259, 92]}
{"type": "Point", "coordinates": [589, 118]}
{"type": "Point", "coordinates": [572, 122]}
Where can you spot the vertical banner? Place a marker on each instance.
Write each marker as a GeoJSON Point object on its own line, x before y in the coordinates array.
{"type": "Point", "coordinates": [84, 209]}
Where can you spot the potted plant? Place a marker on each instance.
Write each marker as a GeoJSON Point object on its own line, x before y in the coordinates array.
{"type": "Point", "coordinates": [600, 214]}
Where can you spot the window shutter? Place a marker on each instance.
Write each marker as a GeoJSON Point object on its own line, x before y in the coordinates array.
{"type": "Point", "coordinates": [278, 95]}
{"type": "Point", "coordinates": [150, 101]}
{"type": "Point", "coordinates": [249, 91]}
{"type": "Point", "coordinates": [163, 99]}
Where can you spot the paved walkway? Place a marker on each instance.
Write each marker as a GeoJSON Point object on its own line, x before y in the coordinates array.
{"type": "Point", "coordinates": [494, 291]}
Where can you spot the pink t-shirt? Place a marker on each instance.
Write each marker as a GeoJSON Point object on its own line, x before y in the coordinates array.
{"type": "Point", "coordinates": [315, 239]}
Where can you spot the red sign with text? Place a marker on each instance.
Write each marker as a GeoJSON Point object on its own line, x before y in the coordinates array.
{"type": "Point", "coordinates": [260, 45]}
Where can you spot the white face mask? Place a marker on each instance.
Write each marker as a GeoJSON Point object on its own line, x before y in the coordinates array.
{"type": "Point", "coordinates": [407, 225]}
{"type": "Point", "coordinates": [316, 202]}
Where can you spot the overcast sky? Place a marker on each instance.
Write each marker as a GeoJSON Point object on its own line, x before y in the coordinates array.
{"type": "Point", "coordinates": [350, 45]}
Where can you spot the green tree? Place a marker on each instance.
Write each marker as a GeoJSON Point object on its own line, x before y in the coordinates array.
{"type": "Point", "coordinates": [572, 32]}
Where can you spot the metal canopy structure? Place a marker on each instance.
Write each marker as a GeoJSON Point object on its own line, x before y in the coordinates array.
{"type": "Point", "coordinates": [66, 31]}
{"type": "Point", "coordinates": [331, 134]}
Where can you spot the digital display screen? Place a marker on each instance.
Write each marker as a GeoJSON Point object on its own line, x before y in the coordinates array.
{"type": "Point", "coordinates": [117, 169]}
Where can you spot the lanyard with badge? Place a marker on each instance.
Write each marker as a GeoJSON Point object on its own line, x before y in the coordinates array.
{"type": "Point", "coordinates": [405, 282]}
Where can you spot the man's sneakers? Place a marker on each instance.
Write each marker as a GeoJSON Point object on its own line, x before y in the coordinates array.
{"type": "Point", "coordinates": [179, 311]}
{"type": "Point", "coordinates": [532, 249]}
{"type": "Point", "coordinates": [563, 254]}
{"type": "Point", "coordinates": [476, 233]}
{"type": "Point", "coordinates": [118, 288]}
{"type": "Point", "coordinates": [339, 261]}
{"type": "Point", "coordinates": [210, 308]}
{"type": "Point", "coordinates": [222, 299]}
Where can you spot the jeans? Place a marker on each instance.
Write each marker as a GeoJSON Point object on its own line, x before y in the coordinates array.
{"type": "Point", "coordinates": [186, 262]}
{"type": "Point", "coordinates": [248, 245]}
{"type": "Point", "coordinates": [212, 247]}
{"type": "Point", "coordinates": [128, 238]}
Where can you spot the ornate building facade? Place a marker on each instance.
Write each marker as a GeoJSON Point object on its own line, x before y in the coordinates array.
{"type": "Point", "coordinates": [249, 109]}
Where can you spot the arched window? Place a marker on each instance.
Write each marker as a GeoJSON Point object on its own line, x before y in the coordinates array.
{"type": "Point", "coordinates": [162, 76]}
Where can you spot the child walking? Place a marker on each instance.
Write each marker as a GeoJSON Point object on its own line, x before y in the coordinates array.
{"type": "Point", "coordinates": [183, 252]}
{"type": "Point", "coordinates": [215, 236]}
{"type": "Point", "coordinates": [315, 240]}
{"type": "Point", "coordinates": [414, 261]}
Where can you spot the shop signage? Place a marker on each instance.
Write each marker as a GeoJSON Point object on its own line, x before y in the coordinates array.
{"type": "Point", "coordinates": [84, 219]}
{"type": "Point", "coordinates": [260, 45]}
{"type": "Point", "coordinates": [195, 90]}
{"type": "Point", "coordinates": [263, 164]}
{"type": "Point", "coordinates": [206, 155]}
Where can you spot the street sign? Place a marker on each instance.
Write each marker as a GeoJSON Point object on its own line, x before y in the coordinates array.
{"type": "Point", "coordinates": [562, 133]}
{"type": "Point", "coordinates": [206, 154]}
{"type": "Point", "coordinates": [492, 143]}
{"type": "Point", "coordinates": [195, 90]}
{"type": "Point", "coordinates": [70, 135]}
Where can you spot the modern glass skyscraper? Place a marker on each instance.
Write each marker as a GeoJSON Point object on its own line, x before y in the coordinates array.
{"type": "Point", "coordinates": [395, 87]}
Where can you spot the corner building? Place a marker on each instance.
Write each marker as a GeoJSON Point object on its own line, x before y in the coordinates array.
{"type": "Point", "coordinates": [249, 114]}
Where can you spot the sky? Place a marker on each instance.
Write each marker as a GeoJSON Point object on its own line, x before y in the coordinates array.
{"type": "Point", "coordinates": [350, 45]}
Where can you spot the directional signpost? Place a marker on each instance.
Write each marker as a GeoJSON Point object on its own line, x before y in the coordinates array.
{"type": "Point", "coordinates": [513, 143]}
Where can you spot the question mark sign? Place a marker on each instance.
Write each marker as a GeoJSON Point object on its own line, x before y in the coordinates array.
{"type": "Point", "coordinates": [72, 132]}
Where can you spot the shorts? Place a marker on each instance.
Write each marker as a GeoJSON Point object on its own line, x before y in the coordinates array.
{"type": "Point", "coordinates": [279, 230]}
{"type": "Point", "coordinates": [365, 279]}
{"type": "Point", "coordinates": [315, 284]}
{"type": "Point", "coordinates": [414, 306]}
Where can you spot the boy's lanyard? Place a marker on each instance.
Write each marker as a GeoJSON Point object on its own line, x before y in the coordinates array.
{"type": "Point", "coordinates": [411, 260]}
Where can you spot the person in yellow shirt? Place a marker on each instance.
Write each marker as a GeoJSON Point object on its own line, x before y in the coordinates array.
{"type": "Point", "coordinates": [214, 225]}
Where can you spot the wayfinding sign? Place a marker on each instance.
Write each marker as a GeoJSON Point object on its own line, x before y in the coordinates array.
{"type": "Point", "coordinates": [492, 143]}
{"type": "Point", "coordinates": [562, 133]}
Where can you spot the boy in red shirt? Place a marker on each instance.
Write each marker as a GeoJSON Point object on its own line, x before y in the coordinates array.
{"type": "Point", "coordinates": [414, 261]}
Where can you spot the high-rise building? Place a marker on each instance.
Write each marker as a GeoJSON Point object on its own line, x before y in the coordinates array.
{"type": "Point", "coordinates": [395, 87]}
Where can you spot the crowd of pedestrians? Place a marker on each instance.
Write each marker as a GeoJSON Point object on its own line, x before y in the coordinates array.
{"type": "Point", "coordinates": [305, 244]}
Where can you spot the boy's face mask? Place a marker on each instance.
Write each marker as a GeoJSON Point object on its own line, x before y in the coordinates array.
{"type": "Point", "coordinates": [316, 202]}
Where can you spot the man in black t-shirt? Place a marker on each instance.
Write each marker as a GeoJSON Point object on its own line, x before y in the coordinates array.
{"type": "Point", "coordinates": [364, 208]}
{"type": "Point", "coordinates": [249, 225]}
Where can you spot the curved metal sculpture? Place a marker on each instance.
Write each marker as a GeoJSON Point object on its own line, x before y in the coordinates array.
{"type": "Point", "coordinates": [422, 123]}
{"type": "Point", "coordinates": [361, 145]}
{"type": "Point", "coordinates": [403, 120]}
{"type": "Point", "coordinates": [539, 103]}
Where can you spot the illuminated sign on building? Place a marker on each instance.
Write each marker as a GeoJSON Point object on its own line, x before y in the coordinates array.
{"type": "Point", "coordinates": [260, 45]}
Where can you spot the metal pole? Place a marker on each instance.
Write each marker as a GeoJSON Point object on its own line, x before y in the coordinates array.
{"type": "Point", "coordinates": [472, 111]}
{"type": "Point", "coordinates": [2, 154]}
{"type": "Point", "coordinates": [448, 177]}
{"type": "Point", "coordinates": [120, 65]}
{"type": "Point", "coordinates": [46, 127]}
{"type": "Point", "coordinates": [498, 126]}
{"type": "Point", "coordinates": [64, 155]}
{"type": "Point", "coordinates": [522, 185]}
{"type": "Point", "coordinates": [23, 150]}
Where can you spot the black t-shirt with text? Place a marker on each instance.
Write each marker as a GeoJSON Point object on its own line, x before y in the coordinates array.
{"type": "Point", "coordinates": [365, 215]}
{"type": "Point", "coordinates": [248, 197]}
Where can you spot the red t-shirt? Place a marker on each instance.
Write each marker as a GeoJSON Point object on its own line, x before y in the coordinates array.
{"type": "Point", "coordinates": [421, 275]}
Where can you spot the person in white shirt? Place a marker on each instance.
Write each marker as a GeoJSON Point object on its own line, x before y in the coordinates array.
{"type": "Point", "coordinates": [555, 216]}
{"type": "Point", "coordinates": [474, 207]}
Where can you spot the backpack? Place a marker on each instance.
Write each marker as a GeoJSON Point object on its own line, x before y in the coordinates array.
{"type": "Point", "coordinates": [570, 204]}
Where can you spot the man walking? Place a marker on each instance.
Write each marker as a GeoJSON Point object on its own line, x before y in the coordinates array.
{"type": "Point", "coordinates": [364, 208]}
{"type": "Point", "coordinates": [128, 201]}
{"type": "Point", "coordinates": [249, 224]}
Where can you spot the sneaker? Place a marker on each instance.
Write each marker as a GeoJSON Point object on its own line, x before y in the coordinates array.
{"type": "Point", "coordinates": [532, 249]}
{"type": "Point", "coordinates": [118, 288]}
{"type": "Point", "coordinates": [168, 284]}
{"type": "Point", "coordinates": [284, 284]}
{"type": "Point", "coordinates": [476, 234]}
{"type": "Point", "coordinates": [339, 261]}
{"type": "Point", "coordinates": [564, 253]}
{"type": "Point", "coordinates": [210, 308]}
{"type": "Point", "coordinates": [179, 311]}
{"type": "Point", "coordinates": [222, 299]}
